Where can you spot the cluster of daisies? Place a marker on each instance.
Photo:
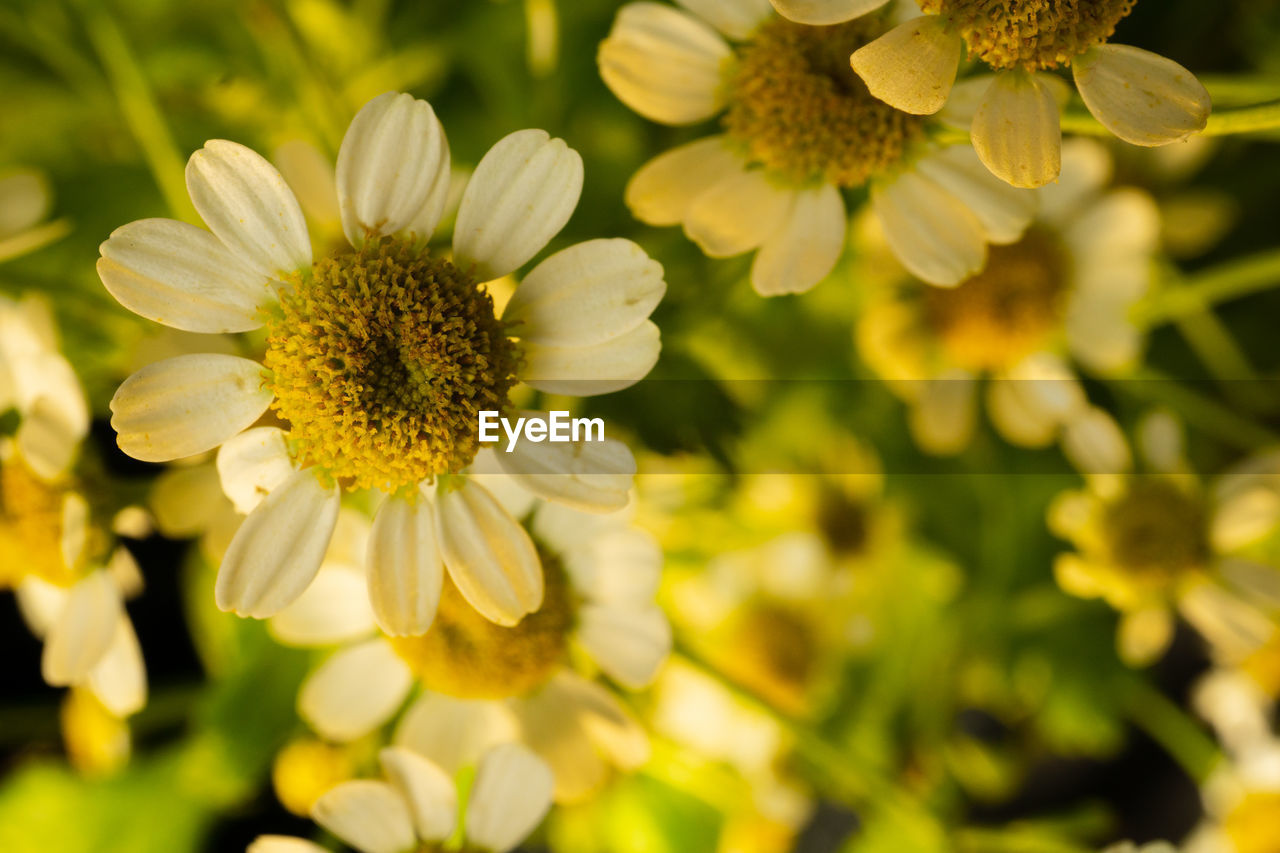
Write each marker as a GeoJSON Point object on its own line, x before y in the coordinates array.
{"type": "Point", "coordinates": [484, 611]}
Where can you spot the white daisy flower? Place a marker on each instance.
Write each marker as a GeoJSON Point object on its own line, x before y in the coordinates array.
{"type": "Point", "coordinates": [484, 683]}
{"type": "Point", "coordinates": [1058, 299]}
{"type": "Point", "coordinates": [25, 201]}
{"type": "Point", "coordinates": [1142, 98]}
{"type": "Point", "coordinates": [418, 804]}
{"type": "Point", "coordinates": [380, 358]}
{"type": "Point", "coordinates": [69, 575]}
{"type": "Point", "coordinates": [1156, 540]}
{"type": "Point", "coordinates": [799, 127]}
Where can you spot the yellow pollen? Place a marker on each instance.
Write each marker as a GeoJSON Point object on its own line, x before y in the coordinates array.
{"type": "Point", "coordinates": [1005, 312]}
{"type": "Point", "coordinates": [31, 528]}
{"type": "Point", "coordinates": [466, 655]}
{"type": "Point", "coordinates": [380, 362]}
{"type": "Point", "coordinates": [797, 109]}
{"type": "Point", "coordinates": [1030, 34]}
{"type": "Point", "coordinates": [1155, 530]}
{"type": "Point", "coordinates": [772, 651]}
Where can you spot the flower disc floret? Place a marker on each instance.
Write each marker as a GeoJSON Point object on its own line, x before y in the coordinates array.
{"type": "Point", "coordinates": [1003, 313]}
{"type": "Point", "coordinates": [1156, 529]}
{"type": "Point", "coordinates": [1030, 34]}
{"type": "Point", "coordinates": [380, 362]}
{"type": "Point", "coordinates": [798, 109]}
{"type": "Point", "coordinates": [31, 528]}
{"type": "Point", "coordinates": [466, 655]}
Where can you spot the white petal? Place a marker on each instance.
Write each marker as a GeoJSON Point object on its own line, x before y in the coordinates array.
{"type": "Point", "coordinates": [404, 566]}
{"type": "Point", "coordinates": [586, 294]}
{"type": "Point", "coordinates": [1004, 211]}
{"type": "Point", "coordinates": [428, 790]}
{"type": "Point", "coordinates": [245, 202]}
{"type": "Point", "coordinates": [119, 679]}
{"type": "Point", "coordinates": [82, 633]}
{"type": "Point", "coordinates": [594, 476]}
{"type": "Point", "coordinates": [454, 733]}
{"type": "Point", "coordinates": [371, 816]}
{"type": "Point", "coordinates": [277, 550]}
{"type": "Point", "coordinates": [1161, 442]}
{"type": "Point", "coordinates": [334, 609]}
{"type": "Point", "coordinates": [40, 603]}
{"type": "Point", "coordinates": [1114, 240]}
{"type": "Point", "coordinates": [489, 555]}
{"type": "Point", "coordinates": [1095, 444]}
{"type": "Point", "coordinates": [1142, 98]}
{"type": "Point", "coordinates": [1086, 169]}
{"type": "Point", "coordinates": [186, 405]}
{"type": "Point", "coordinates": [806, 248]}
{"type": "Point", "coordinates": [181, 276]}
{"type": "Point", "coordinates": [737, 214]}
{"type": "Point", "coordinates": [511, 795]}
{"type": "Point", "coordinates": [355, 691]}
{"type": "Point", "coordinates": [943, 416]}
{"type": "Point", "coordinates": [521, 195]}
{"type": "Point", "coordinates": [251, 464]}
{"type": "Point", "coordinates": [913, 66]}
{"type": "Point", "coordinates": [818, 13]}
{"type": "Point", "coordinates": [1100, 335]}
{"type": "Point", "coordinates": [664, 188]}
{"type": "Point", "coordinates": [283, 844]}
{"type": "Point", "coordinates": [487, 471]}
{"type": "Point", "coordinates": [665, 64]}
{"type": "Point", "coordinates": [621, 566]}
{"type": "Point", "coordinates": [735, 18]}
{"type": "Point", "coordinates": [1016, 417]}
{"type": "Point", "coordinates": [1017, 131]}
{"type": "Point", "coordinates": [74, 533]}
{"type": "Point", "coordinates": [600, 369]}
{"type": "Point", "coordinates": [930, 231]}
{"type": "Point", "coordinates": [47, 439]}
{"type": "Point", "coordinates": [393, 170]}
{"type": "Point", "coordinates": [629, 643]}
{"type": "Point", "coordinates": [24, 200]}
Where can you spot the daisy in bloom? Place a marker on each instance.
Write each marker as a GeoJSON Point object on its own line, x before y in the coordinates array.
{"type": "Point", "coordinates": [1142, 98]}
{"type": "Point", "coordinates": [416, 809]}
{"type": "Point", "coordinates": [1156, 540]}
{"type": "Point", "coordinates": [483, 683]}
{"type": "Point", "coordinates": [798, 129]}
{"type": "Point", "coordinates": [1057, 299]}
{"type": "Point", "coordinates": [56, 553]}
{"type": "Point", "coordinates": [24, 203]}
{"type": "Point", "coordinates": [380, 357]}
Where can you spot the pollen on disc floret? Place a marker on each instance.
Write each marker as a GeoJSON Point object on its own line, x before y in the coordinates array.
{"type": "Point", "coordinates": [381, 360]}
{"type": "Point", "coordinates": [1031, 34]}
{"type": "Point", "coordinates": [798, 110]}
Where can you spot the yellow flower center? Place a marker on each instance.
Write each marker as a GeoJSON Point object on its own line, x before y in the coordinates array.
{"type": "Point", "coordinates": [844, 521]}
{"type": "Point", "coordinates": [1030, 34]}
{"type": "Point", "coordinates": [305, 769]}
{"type": "Point", "coordinates": [31, 528]}
{"type": "Point", "coordinates": [1251, 825]}
{"type": "Point", "coordinates": [771, 650]}
{"type": "Point", "coordinates": [1155, 529]}
{"type": "Point", "coordinates": [797, 109]}
{"type": "Point", "coordinates": [466, 655]}
{"type": "Point", "coordinates": [1005, 312]}
{"type": "Point", "coordinates": [380, 361]}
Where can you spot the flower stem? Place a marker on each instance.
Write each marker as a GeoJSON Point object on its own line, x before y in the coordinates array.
{"type": "Point", "coordinates": [1168, 725]}
{"type": "Point", "coordinates": [1223, 283]}
{"type": "Point", "coordinates": [1228, 121]}
{"type": "Point", "coordinates": [1198, 410]}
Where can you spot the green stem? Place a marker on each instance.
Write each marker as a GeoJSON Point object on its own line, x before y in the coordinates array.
{"type": "Point", "coordinates": [1195, 293]}
{"type": "Point", "coordinates": [137, 103]}
{"type": "Point", "coordinates": [1178, 734]}
{"type": "Point", "coordinates": [1012, 840]}
{"type": "Point", "coordinates": [1199, 411]}
{"type": "Point", "coordinates": [1228, 121]}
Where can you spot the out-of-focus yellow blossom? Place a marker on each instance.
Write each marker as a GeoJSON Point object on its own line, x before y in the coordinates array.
{"type": "Point", "coordinates": [25, 202]}
{"type": "Point", "coordinates": [1057, 300]}
{"type": "Point", "coordinates": [1155, 539]}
